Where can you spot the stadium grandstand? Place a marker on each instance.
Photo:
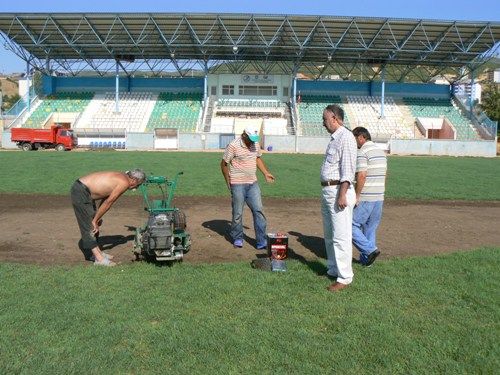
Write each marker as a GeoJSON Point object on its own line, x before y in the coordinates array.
{"type": "Point", "coordinates": [195, 81]}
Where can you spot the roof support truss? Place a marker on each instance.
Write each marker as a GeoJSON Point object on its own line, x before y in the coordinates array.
{"type": "Point", "coordinates": [281, 44]}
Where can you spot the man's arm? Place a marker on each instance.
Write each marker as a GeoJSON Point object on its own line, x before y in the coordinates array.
{"type": "Point", "coordinates": [342, 198]}
{"type": "Point", "coordinates": [106, 205]}
{"type": "Point", "coordinates": [262, 167]}
{"type": "Point", "coordinates": [347, 169]}
{"type": "Point", "coordinates": [360, 183]}
{"type": "Point", "coordinates": [225, 172]}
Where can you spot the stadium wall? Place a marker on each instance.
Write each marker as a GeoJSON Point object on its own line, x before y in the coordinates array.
{"type": "Point", "coordinates": [306, 145]}
{"type": "Point", "coordinates": [280, 143]}
{"type": "Point", "coordinates": [140, 141]}
{"type": "Point", "coordinates": [442, 147]}
{"type": "Point", "coordinates": [53, 85]}
{"type": "Point", "coordinates": [373, 89]}
{"type": "Point", "coordinates": [205, 141]}
{"type": "Point", "coordinates": [5, 141]}
{"type": "Point", "coordinates": [315, 145]}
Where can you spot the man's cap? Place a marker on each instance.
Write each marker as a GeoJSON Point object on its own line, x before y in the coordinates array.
{"type": "Point", "coordinates": [253, 133]}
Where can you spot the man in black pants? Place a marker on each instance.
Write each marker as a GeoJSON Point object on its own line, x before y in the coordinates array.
{"type": "Point", "coordinates": [106, 187]}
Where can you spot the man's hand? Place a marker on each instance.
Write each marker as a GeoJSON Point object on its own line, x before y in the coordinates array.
{"type": "Point", "coordinates": [95, 226]}
{"type": "Point", "coordinates": [342, 201]}
{"type": "Point", "coordinates": [269, 177]}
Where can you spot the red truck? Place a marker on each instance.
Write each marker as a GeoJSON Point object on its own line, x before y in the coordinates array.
{"type": "Point", "coordinates": [33, 139]}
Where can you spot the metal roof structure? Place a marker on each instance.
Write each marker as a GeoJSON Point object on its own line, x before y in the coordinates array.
{"type": "Point", "coordinates": [317, 46]}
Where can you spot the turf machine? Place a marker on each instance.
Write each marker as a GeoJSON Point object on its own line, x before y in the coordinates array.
{"type": "Point", "coordinates": [164, 237]}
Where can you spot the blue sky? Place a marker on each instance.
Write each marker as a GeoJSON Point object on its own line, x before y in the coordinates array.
{"type": "Point", "coordinates": [475, 10]}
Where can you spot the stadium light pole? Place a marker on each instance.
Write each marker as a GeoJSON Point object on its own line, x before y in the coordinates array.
{"type": "Point", "coordinates": [294, 94]}
{"type": "Point", "coordinates": [294, 106]}
{"type": "Point", "coordinates": [117, 89]}
{"type": "Point", "coordinates": [28, 83]}
{"type": "Point", "coordinates": [471, 94]}
{"type": "Point", "coordinates": [382, 93]}
{"type": "Point", "coordinates": [205, 86]}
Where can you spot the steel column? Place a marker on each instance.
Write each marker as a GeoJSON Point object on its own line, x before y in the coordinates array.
{"type": "Point", "coordinates": [117, 90]}
{"type": "Point", "coordinates": [382, 94]}
{"type": "Point", "coordinates": [28, 83]}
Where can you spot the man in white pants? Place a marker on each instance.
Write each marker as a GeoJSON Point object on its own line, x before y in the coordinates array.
{"type": "Point", "coordinates": [338, 197]}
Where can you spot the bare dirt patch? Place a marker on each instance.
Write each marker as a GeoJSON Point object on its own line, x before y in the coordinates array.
{"type": "Point", "coordinates": [42, 229]}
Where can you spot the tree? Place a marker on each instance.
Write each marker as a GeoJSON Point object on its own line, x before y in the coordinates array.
{"type": "Point", "coordinates": [38, 82]}
{"type": "Point", "coordinates": [9, 101]}
{"type": "Point", "coordinates": [490, 102]}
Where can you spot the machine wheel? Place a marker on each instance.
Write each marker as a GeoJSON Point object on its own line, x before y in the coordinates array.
{"type": "Point", "coordinates": [37, 146]}
{"type": "Point", "coordinates": [138, 256]}
{"type": "Point", "coordinates": [26, 147]}
{"type": "Point", "coordinates": [179, 220]}
{"type": "Point", "coordinates": [60, 147]}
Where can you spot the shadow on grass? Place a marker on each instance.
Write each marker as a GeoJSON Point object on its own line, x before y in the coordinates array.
{"type": "Point", "coordinates": [106, 243]}
{"type": "Point", "coordinates": [315, 245]}
{"type": "Point", "coordinates": [222, 227]}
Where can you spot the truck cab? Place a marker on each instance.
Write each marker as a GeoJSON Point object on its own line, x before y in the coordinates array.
{"type": "Point", "coordinates": [67, 138]}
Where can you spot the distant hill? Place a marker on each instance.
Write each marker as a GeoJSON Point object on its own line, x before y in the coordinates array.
{"type": "Point", "coordinates": [9, 86]}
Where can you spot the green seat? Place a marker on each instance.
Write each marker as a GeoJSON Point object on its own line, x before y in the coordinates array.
{"type": "Point", "coordinates": [61, 103]}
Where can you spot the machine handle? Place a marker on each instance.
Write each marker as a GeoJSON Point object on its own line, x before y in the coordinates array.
{"type": "Point", "coordinates": [156, 179]}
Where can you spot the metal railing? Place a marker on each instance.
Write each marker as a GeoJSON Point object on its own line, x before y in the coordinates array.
{"type": "Point", "coordinates": [20, 105]}
{"type": "Point", "coordinates": [486, 127]}
{"type": "Point", "coordinates": [17, 111]}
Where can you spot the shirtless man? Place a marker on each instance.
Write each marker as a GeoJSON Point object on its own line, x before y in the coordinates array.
{"type": "Point", "coordinates": [106, 187]}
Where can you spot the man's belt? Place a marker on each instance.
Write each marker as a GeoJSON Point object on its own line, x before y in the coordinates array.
{"type": "Point", "coordinates": [330, 182]}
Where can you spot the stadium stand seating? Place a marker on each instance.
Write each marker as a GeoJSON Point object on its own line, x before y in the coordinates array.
{"type": "Point", "coordinates": [176, 110]}
{"type": "Point", "coordinates": [310, 111]}
{"type": "Point", "coordinates": [146, 111]}
{"type": "Point", "coordinates": [134, 111]}
{"type": "Point", "coordinates": [430, 107]}
{"type": "Point", "coordinates": [64, 102]}
{"type": "Point", "coordinates": [366, 112]}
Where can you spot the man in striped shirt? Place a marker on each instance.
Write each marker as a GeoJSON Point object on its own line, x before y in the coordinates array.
{"type": "Point", "coordinates": [338, 197]}
{"type": "Point", "coordinates": [370, 187]}
{"type": "Point", "coordinates": [239, 165]}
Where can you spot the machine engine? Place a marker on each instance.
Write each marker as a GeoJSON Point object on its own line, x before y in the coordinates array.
{"type": "Point", "coordinates": [164, 236]}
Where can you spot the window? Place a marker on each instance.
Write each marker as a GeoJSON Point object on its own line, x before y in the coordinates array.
{"type": "Point", "coordinates": [285, 91]}
{"type": "Point", "coordinates": [227, 90]}
{"type": "Point", "coordinates": [213, 90]}
{"type": "Point", "coordinates": [258, 90]}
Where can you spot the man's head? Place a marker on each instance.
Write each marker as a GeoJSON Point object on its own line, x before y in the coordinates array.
{"type": "Point", "coordinates": [137, 177]}
{"type": "Point", "coordinates": [251, 134]}
{"type": "Point", "coordinates": [362, 135]}
{"type": "Point", "coordinates": [333, 118]}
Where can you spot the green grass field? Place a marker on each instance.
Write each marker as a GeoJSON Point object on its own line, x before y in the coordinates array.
{"type": "Point", "coordinates": [437, 314]}
{"type": "Point", "coordinates": [422, 315]}
{"type": "Point", "coordinates": [415, 178]}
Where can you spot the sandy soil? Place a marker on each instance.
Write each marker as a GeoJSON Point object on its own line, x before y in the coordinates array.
{"type": "Point", "coordinates": [41, 229]}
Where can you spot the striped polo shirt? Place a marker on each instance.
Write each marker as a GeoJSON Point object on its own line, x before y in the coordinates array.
{"type": "Point", "coordinates": [242, 161]}
{"type": "Point", "coordinates": [372, 160]}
